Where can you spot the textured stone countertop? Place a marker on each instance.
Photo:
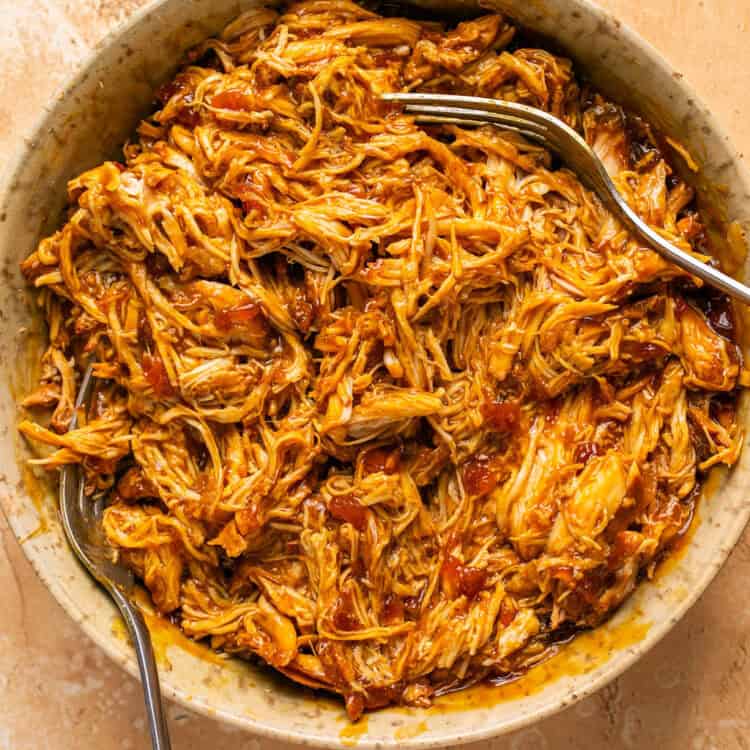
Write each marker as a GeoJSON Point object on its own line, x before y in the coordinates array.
{"type": "Point", "coordinates": [59, 692]}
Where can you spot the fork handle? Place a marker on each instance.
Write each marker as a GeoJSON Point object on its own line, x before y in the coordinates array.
{"type": "Point", "coordinates": [147, 666]}
{"type": "Point", "coordinates": [605, 188]}
{"type": "Point", "coordinates": [712, 276]}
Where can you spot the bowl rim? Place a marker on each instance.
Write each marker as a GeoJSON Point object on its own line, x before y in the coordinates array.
{"type": "Point", "coordinates": [616, 665]}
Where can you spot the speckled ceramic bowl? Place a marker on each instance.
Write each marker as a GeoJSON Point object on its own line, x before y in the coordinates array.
{"type": "Point", "coordinates": [86, 123]}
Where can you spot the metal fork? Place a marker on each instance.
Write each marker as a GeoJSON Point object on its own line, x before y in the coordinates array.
{"type": "Point", "coordinates": [553, 133]}
{"type": "Point", "coordinates": [81, 520]}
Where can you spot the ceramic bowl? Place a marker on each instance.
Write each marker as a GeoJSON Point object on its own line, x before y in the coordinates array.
{"type": "Point", "coordinates": [86, 123]}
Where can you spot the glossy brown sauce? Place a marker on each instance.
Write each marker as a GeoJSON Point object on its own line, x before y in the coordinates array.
{"type": "Point", "coordinates": [38, 491]}
{"type": "Point", "coordinates": [348, 509]}
{"type": "Point", "coordinates": [585, 653]}
{"type": "Point", "coordinates": [351, 733]}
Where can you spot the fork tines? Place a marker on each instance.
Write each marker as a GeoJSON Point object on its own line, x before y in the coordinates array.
{"type": "Point", "coordinates": [475, 111]}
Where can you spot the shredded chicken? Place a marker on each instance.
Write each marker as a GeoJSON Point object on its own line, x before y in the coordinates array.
{"type": "Point", "coordinates": [390, 407]}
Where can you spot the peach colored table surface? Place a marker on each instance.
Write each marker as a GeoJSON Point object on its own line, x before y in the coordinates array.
{"type": "Point", "coordinates": [59, 692]}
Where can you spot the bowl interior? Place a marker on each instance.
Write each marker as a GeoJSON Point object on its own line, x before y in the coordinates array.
{"type": "Point", "coordinates": [88, 122]}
